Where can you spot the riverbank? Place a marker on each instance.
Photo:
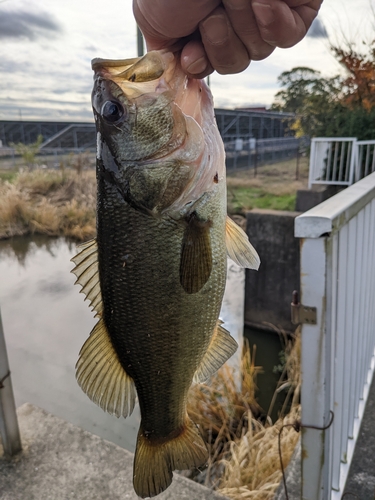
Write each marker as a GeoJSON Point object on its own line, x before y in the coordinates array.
{"type": "Point", "coordinates": [63, 202]}
{"type": "Point", "coordinates": [48, 202]}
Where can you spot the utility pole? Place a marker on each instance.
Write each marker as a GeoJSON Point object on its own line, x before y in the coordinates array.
{"type": "Point", "coordinates": [9, 430]}
{"type": "Point", "coordinates": [140, 44]}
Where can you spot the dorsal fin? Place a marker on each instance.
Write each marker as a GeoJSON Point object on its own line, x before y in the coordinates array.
{"type": "Point", "coordinates": [196, 255]}
{"type": "Point", "coordinates": [221, 348]}
{"type": "Point", "coordinates": [87, 272]}
{"type": "Point", "coordinates": [101, 375]}
{"type": "Point", "coordinates": [239, 248]}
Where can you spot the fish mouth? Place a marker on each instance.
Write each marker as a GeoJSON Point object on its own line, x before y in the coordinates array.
{"type": "Point", "coordinates": [156, 72]}
{"type": "Point", "coordinates": [136, 75]}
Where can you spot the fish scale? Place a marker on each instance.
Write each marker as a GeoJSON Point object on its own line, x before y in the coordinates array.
{"type": "Point", "coordinates": [151, 312]}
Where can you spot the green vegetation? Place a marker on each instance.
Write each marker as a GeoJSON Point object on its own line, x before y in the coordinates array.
{"type": "Point", "coordinates": [241, 199]}
{"type": "Point", "coordinates": [342, 106]}
{"type": "Point", "coordinates": [28, 152]}
{"type": "Point", "coordinates": [8, 175]}
{"type": "Point", "coordinates": [274, 187]}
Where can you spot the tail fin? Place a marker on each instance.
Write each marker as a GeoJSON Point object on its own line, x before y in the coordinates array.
{"type": "Point", "coordinates": [155, 461]}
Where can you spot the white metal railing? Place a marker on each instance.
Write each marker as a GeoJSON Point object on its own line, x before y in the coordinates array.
{"type": "Point", "coordinates": [332, 160]}
{"type": "Point", "coordinates": [365, 159]}
{"type": "Point", "coordinates": [340, 161]}
{"type": "Point", "coordinates": [338, 278]}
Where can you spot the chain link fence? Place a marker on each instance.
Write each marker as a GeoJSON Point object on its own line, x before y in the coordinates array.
{"type": "Point", "coordinates": [245, 153]}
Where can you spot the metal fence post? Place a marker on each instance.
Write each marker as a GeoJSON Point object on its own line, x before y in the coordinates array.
{"type": "Point", "coordinates": [313, 368]}
{"type": "Point", "coordinates": [9, 430]}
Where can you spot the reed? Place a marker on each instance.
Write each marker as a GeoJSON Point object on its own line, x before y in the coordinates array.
{"type": "Point", "coordinates": [14, 210]}
{"type": "Point", "coordinates": [241, 438]}
{"type": "Point", "coordinates": [49, 202]}
{"type": "Point", "coordinates": [253, 469]}
{"type": "Point", "coordinates": [221, 407]}
{"type": "Point", "coordinates": [40, 181]}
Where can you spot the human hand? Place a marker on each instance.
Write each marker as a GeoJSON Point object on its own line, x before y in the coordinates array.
{"type": "Point", "coordinates": [223, 35]}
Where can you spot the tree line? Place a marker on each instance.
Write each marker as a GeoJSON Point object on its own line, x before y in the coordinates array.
{"type": "Point", "coordinates": [341, 106]}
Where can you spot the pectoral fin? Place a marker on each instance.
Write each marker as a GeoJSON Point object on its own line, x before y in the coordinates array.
{"type": "Point", "coordinates": [196, 255]}
{"type": "Point", "coordinates": [101, 376]}
{"type": "Point", "coordinates": [87, 272]}
{"type": "Point", "coordinates": [221, 348]}
{"type": "Point", "coordinates": [239, 248]}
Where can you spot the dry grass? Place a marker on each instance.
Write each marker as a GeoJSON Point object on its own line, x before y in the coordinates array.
{"type": "Point", "coordinates": [64, 202]}
{"type": "Point", "coordinates": [14, 210]}
{"type": "Point", "coordinates": [221, 409]}
{"type": "Point", "coordinates": [279, 178]}
{"type": "Point", "coordinates": [253, 469]}
{"type": "Point", "coordinates": [40, 182]}
{"type": "Point", "coordinates": [290, 378]}
{"type": "Point", "coordinates": [244, 459]}
{"type": "Point", "coordinates": [49, 202]}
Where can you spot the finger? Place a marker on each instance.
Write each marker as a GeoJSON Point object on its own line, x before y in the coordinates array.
{"type": "Point", "coordinates": [245, 25]}
{"type": "Point", "coordinates": [316, 4]}
{"type": "Point", "coordinates": [308, 12]}
{"type": "Point", "coordinates": [225, 51]}
{"type": "Point", "coordinates": [170, 19]}
{"type": "Point", "coordinates": [282, 26]}
{"type": "Point", "coordinates": [154, 40]}
{"type": "Point", "coordinates": [194, 60]}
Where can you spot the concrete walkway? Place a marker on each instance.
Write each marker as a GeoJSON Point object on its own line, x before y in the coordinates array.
{"type": "Point", "coordinates": [61, 461]}
{"type": "Point", "coordinates": [361, 479]}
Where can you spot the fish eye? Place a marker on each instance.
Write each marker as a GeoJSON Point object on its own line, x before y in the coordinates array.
{"type": "Point", "coordinates": [112, 111]}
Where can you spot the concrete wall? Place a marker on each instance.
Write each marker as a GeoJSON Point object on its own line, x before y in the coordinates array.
{"type": "Point", "coordinates": [309, 198]}
{"type": "Point", "coordinates": [268, 292]}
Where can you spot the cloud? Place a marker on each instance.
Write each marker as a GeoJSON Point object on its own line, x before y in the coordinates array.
{"type": "Point", "coordinates": [8, 66]}
{"type": "Point", "coordinates": [18, 24]}
{"type": "Point", "coordinates": [317, 29]}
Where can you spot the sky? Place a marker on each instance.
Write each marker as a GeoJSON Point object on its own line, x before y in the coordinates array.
{"type": "Point", "coordinates": [46, 48]}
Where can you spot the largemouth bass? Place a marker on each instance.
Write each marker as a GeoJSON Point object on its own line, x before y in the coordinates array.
{"type": "Point", "coordinates": [155, 275]}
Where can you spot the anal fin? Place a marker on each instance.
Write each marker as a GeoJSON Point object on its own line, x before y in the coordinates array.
{"type": "Point", "coordinates": [239, 248]}
{"type": "Point", "coordinates": [221, 348]}
{"type": "Point", "coordinates": [154, 461]}
{"type": "Point", "coordinates": [101, 376]}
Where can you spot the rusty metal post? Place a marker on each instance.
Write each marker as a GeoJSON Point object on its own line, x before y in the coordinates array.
{"type": "Point", "coordinates": [9, 430]}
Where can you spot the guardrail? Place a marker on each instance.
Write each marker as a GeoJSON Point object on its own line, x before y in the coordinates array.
{"type": "Point", "coordinates": [338, 279]}
{"type": "Point", "coordinates": [365, 160]}
{"type": "Point", "coordinates": [340, 160]}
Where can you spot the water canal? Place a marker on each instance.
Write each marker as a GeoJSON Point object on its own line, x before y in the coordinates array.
{"type": "Point", "coordinates": [46, 321]}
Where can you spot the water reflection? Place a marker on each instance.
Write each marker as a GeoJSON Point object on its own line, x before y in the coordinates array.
{"type": "Point", "coordinates": [46, 322]}
{"type": "Point", "coordinates": [267, 355]}
{"type": "Point", "coordinates": [25, 246]}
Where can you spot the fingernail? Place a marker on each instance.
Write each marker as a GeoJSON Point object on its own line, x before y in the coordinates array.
{"type": "Point", "coordinates": [198, 66]}
{"type": "Point", "coordinates": [216, 29]}
{"type": "Point", "coordinates": [264, 13]}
